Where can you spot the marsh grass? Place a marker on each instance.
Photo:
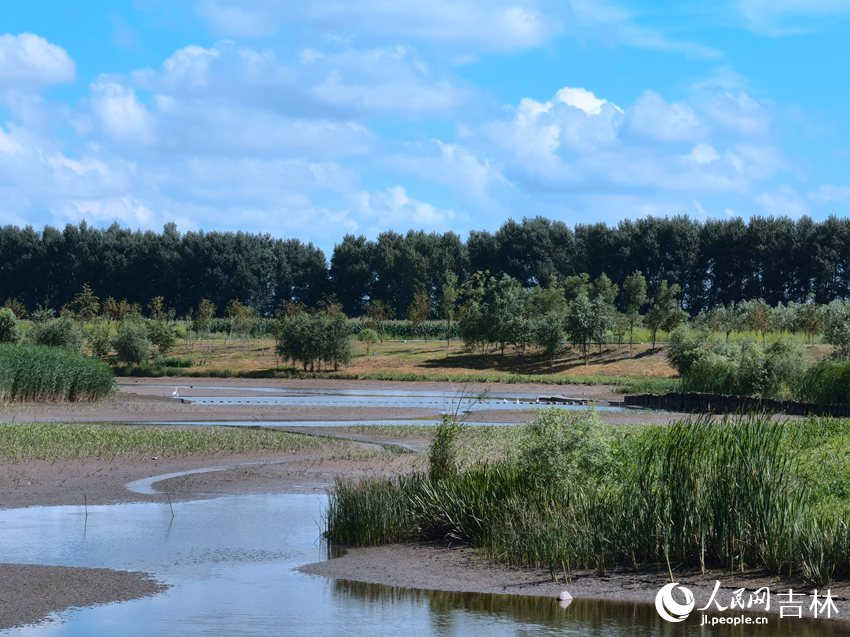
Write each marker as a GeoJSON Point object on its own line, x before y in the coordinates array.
{"type": "Point", "coordinates": [740, 493]}
{"type": "Point", "coordinates": [51, 441]}
{"type": "Point", "coordinates": [40, 373]}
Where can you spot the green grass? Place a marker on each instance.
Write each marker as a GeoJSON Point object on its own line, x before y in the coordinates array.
{"type": "Point", "coordinates": [746, 493]}
{"type": "Point", "coordinates": [38, 373]}
{"type": "Point", "coordinates": [51, 441]}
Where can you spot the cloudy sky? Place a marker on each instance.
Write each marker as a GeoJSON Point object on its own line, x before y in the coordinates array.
{"type": "Point", "coordinates": [313, 119]}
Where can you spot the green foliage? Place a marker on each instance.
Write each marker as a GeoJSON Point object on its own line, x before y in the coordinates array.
{"type": "Point", "coordinates": [10, 332]}
{"type": "Point", "coordinates": [560, 448]}
{"type": "Point", "coordinates": [132, 344]}
{"type": "Point", "coordinates": [699, 493]}
{"type": "Point", "coordinates": [313, 338]}
{"type": "Point", "coordinates": [62, 332]}
{"type": "Point", "coordinates": [368, 336]}
{"type": "Point", "coordinates": [40, 373]}
{"type": "Point", "coordinates": [739, 368]}
{"type": "Point", "coordinates": [827, 382]}
{"type": "Point", "coordinates": [161, 333]}
{"type": "Point", "coordinates": [838, 327]}
{"type": "Point", "coordinates": [100, 339]}
{"type": "Point", "coordinates": [442, 456]}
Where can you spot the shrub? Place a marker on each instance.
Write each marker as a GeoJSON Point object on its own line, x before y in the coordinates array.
{"type": "Point", "coordinates": [132, 344]}
{"type": "Point", "coordinates": [99, 339]}
{"type": "Point", "coordinates": [33, 372]}
{"type": "Point", "coordinates": [368, 336]}
{"type": "Point", "coordinates": [161, 334]}
{"type": "Point", "coordinates": [826, 382]}
{"type": "Point", "coordinates": [559, 447]}
{"type": "Point", "coordinates": [442, 457]}
{"type": "Point", "coordinates": [9, 330]}
{"type": "Point", "coordinates": [62, 332]}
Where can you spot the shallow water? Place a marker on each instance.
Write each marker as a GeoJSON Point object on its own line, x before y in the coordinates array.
{"type": "Point", "coordinates": [230, 562]}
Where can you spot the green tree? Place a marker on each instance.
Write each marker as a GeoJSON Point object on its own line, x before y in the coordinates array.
{"type": "Point", "coordinates": [378, 314]}
{"type": "Point", "coordinates": [664, 313]}
{"type": "Point", "coordinates": [202, 319]}
{"type": "Point", "coordinates": [418, 312]}
{"type": "Point", "coordinates": [369, 337]}
{"type": "Point", "coordinates": [10, 332]}
{"type": "Point", "coordinates": [634, 297]}
{"type": "Point", "coordinates": [582, 322]}
{"type": "Point", "coordinates": [61, 332]}
{"type": "Point", "coordinates": [17, 306]}
{"type": "Point", "coordinates": [86, 304]}
{"type": "Point", "coordinates": [132, 345]}
{"type": "Point", "coordinates": [449, 299]}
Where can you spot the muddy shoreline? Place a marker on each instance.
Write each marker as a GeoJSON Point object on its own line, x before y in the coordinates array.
{"type": "Point", "coordinates": [102, 481]}
{"type": "Point", "coordinates": [31, 593]}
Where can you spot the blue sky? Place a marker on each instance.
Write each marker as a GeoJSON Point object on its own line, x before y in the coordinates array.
{"type": "Point", "coordinates": [315, 119]}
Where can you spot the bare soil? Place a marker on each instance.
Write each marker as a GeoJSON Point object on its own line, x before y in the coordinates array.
{"type": "Point", "coordinates": [30, 593]}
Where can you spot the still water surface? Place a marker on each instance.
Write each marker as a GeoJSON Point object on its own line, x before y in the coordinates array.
{"type": "Point", "coordinates": [230, 563]}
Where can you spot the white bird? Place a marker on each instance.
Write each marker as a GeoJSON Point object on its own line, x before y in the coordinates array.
{"type": "Point", "coordinates": [174, 393]}
{"type": "Point", "coordinates": [505, 400]}
{"type": "Point", "coordinates": [517, 401]}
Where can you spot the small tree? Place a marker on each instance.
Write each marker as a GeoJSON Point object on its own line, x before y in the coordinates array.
{"type": "Point", "coordinates": [450, 294]}
{"type": "Point", "coordinates": [17, 306]}
{"type": "Point", "coordinates": [61, 332]}
{"type": "Point", "coordinates": [369, 337]}
{"type": "Point", "coordinates": [418, 312]}
{"type": "Point", "coordinates": [582, 322]}
{"type": "Point", "coordinates": [9, 330]}
{"type": "Point", "coordinates": [86, 304]}
{"type": "Point", "coordinates": [99, 339]}
{"type": "Point", "coordinates": [203, 317]}
{"type": "Point", "coordinates": [442, 456]}
{"type": "Point", "coordinates": [378, 314]}
{"type": "Point", "coordinates": [161, 334]}
{"type": "Point", "coordinates": [664, 313]}
{"type": "Point", "coordinates": [634, 293]}
{"type": "Point", "coordinates": [132, 344]}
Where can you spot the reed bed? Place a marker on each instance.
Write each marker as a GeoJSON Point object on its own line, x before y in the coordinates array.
{"type": "Point", "coordinates": [51, 441]}
{"type": "Point", "coordinates": [737, 493]}
{"type": "Point", "coordinates": [39, 373]}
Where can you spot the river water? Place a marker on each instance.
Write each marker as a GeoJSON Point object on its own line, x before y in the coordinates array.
{"type": "Point", "coordinates": [230, 563]}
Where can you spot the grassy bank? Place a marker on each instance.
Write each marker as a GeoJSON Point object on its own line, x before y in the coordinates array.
{"type": "Point", "coordinates": [37, 373]}
{"type": "Point", "coordinates": [50, 441]}
{"type": "Point", "coordinates": [742, 494]}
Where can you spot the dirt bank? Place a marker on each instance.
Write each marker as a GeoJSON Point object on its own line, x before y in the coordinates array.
{"type": "Point", "coordinates": [461, 569]}
{"type": "Point", "coordinates": [30, 593]}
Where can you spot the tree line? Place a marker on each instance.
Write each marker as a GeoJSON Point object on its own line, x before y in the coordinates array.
{"type": "Point", "coordinates": [714, 262]}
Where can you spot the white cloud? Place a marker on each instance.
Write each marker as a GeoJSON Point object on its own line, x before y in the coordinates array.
{"type": "Point", "coordinates": [784, 201]}
{"type": "Point", "coordinates": [465, 24]}
{"type": "Point", "coordinates": [654, 118]}
{"type": "Point", "coordinates": [791, 17]}
{"type": "Point", "coordinates": [580, 142]}
{"type": "Point", "coordinates": [9, 145]}
{"type": "Point", "coordinates": [393, 208]}
{"type": "Point", "coordinates": [122, 116]}
{"type": "Point", "coordinates": [602, 21]}
{"type": "Point", "coordinates": [28, 60]}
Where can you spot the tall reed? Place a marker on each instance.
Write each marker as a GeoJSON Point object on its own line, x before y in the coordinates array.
{"type": "Point", "coordinates": [40, 373]}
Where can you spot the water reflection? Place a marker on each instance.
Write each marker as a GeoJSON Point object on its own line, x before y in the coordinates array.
{"type": "Point", "coordinates": [231, 564]}
{"type": "Point", "coordinates": [581, 617]}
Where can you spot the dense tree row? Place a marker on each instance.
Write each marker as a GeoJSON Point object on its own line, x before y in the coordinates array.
{"type": "Point", "coordinates": [714, 262]}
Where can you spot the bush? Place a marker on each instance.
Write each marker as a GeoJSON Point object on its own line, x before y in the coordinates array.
{"type": "Point", "coordinates": [826, 382]}
{"type": "Point", "coordinates": [161, 334]}
{"type": "Point", "coordinates": [9, 330]}
{"type": "Point", "coordinates": [33, 372]}
{"type": "Point", "coordinates": [559, 447]}
{"type": "Point", "coordinates": [442, 458]}
{"type": "Point", "coordinates": [62, 332]}
{"type": "Point", "coordinates": [132, 344]}
{"type": "Point", "coordinates": [99, 339]}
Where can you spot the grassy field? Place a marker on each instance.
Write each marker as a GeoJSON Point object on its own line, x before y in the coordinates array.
{"type": "Point", "coordinates": [751, 494]}
{"type": "Point", "coordinates": [54, 441]}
